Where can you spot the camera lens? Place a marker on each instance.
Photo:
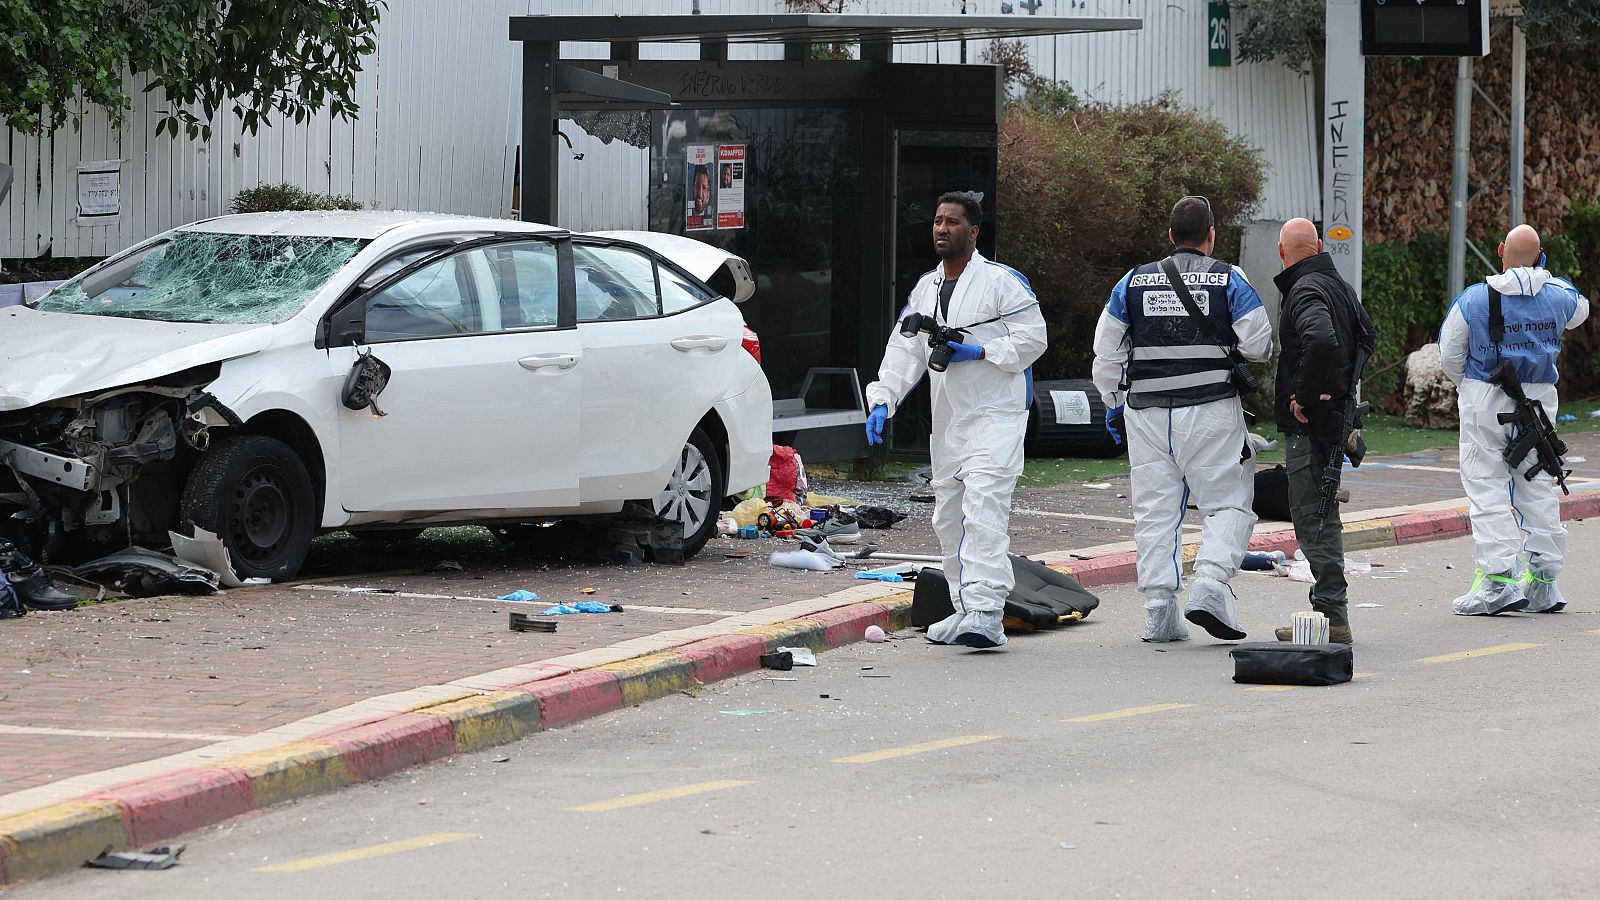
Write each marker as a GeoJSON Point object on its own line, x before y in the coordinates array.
{"type": "Point", "coordinates": [939, 357]}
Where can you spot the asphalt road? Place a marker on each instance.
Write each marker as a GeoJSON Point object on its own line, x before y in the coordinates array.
{"type": "Point", "coordinates": [1077, 763]}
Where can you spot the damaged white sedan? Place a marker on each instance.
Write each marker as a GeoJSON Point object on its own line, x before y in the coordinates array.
{"type": "Point", "coordinates": [265, 377]}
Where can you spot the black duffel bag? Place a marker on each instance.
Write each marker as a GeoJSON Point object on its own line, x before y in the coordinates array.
{"type": "Point", "coordinates": [1042, 597]}
{"type": "Point", "coordinates": [1276, 662]}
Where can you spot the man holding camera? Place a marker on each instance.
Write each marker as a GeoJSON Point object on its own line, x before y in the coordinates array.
{"type": "Point", "coordinates": [1175, 366]}
{"type": "Point", "coordinates": [974, 327]}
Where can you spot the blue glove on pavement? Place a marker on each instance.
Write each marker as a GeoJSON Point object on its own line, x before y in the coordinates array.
{"type": "Point", "coordinates": [964, 352]}
{"type": "Point", "coordinates": [880, 414]}
{"type": "Point", "coordinates": [1114, 424]}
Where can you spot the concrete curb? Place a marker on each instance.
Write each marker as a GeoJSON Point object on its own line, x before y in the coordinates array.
{"type": "Point", "coordinates": [62, 836]}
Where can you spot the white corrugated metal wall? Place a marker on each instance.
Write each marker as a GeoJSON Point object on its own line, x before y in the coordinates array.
{"type": "Point", "coordinates": [440, 119]}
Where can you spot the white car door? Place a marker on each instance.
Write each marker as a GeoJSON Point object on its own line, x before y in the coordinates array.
{"type": "Point", "coordinates": [657, 351]}
{"type": "Point", "coordinates": [482, 408]}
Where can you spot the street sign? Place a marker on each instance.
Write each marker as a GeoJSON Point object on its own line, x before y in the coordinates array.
{"type": "Point", "coordinates": [1219, 33]}
{"type": "Point", "coordinates": [1425, 27]}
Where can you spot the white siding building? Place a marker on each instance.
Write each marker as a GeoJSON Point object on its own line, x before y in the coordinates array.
{"type": "Point", "coordinates": [440, 122]}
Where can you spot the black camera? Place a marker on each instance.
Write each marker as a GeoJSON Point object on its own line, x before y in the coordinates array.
{"type": "Point", "coordinates": [939, 338]}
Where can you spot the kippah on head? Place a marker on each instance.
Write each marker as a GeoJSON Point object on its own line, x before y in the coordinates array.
{"type": "Point", "coordinates": [972, 210]}
{"type": "Point", "coordinates": [1191, 219]}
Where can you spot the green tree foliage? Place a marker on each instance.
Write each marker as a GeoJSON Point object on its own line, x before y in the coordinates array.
{"type": "Point", "coordinates": [1099, 182]}
{"type": "Point", "coordinates": [278, 197]}
{"type": "Point", "coordinates": [257, 58]}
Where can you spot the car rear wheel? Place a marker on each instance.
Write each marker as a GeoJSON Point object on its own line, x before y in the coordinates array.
{"type": "Point", "coordinates": [254, 493]}
{"type": "Point", "coordinates": [693, 495]}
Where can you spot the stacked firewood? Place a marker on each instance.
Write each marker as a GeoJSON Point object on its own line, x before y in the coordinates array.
{"type": "Point", "coordinates": [1410, 116]}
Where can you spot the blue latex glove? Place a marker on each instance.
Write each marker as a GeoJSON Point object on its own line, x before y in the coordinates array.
{"type": "Point", "coordinates": [875, 420]}
{"type": "Point", "coordinates": [1114, 424]}
{"type": "Point", "coordinates": [964, 352]}
{"type": "Point", "coordinates": [524, 596]}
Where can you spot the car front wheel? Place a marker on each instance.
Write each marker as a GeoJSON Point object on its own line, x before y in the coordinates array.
{"type": "Point", "coordinates": [254, 493]}
{"type": "Point", "coordinates": [693, 495]}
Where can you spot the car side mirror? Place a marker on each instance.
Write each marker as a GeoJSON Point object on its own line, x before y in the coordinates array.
{"type": "Point", "coordinates": [367, 379]}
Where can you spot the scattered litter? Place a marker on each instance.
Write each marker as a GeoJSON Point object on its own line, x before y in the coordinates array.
{"type": "Point", "coordinates": [1261, 561]}
{"type": "Point", "coordinates": [737, 554]}
{"type": "Point", "coordinates": [520, 596]}
{"type": "Point", "coordinates": [867, 668]}
{"type": "Point", "coordinates": [138, 572]}
{"type": "Point", "coordinates": [1369, 606]}
{"type": "Point", "coordinates": [588, 591]}
{"type": "Point", "coordinates": [1571, 459]}
{"type": "Point", "coordinates": [1300, 569]}
{"type": "Point", "coordinates": [583, 606]}
{"type": "Point", "coordinates": [523, 622]}
{"type": "Point", "coordinates": [1067, 846]}
{"type": "Point", "coordinates": [895, 577]}
{"type": "Point", "coordinates": [749, 712]}
{"type": "Point", "coordinates": [1097, 485]}
{"type": "Point", "coordinates": [449, 565]}
{"type": "Point", "coordinates": [875, 516]}
{"type": "Point", "coordinates": [781, 661]}
{"type": "Point", "coordinates": [500, 759]}
{"type": "Point", "coordinates": [876, 675]}
{"type": "Point", "coordinates": [875, 635]}
{"type": "Point", "coordinates": [806, 560]}
{"type": "Point", "coordinates": [921, 498]}
{"type": "Point", "coordinates": [158, 858]}
{"type": "Point", "coordinates": [253, 582]}
{"type": "Point", "coordinates": [802, 655]}
{"type": "Point", "coordinates": [780, 678]}
{"type": "Point", "coordinates": [367, 590]}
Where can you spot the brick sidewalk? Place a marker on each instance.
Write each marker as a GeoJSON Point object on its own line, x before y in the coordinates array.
{"type": "Point", "coordinates": [139, 680]}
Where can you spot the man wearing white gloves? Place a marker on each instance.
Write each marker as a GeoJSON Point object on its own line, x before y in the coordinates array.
{"type": "Point", "coordinates": [980, 412]}
{"type": "Point", "coordinates": [1184, 424]}
{"type": "Point", "coordinates": [1510, 514]}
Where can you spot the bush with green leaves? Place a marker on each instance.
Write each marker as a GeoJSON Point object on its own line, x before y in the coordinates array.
{"type": "Point", "coordinates": [280, 197]}
{"type": "Point", "coordinates": [1088, 190]}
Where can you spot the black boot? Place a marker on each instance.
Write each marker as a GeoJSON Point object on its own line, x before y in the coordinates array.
{"type": "Point", "coordinates": [30, 581]}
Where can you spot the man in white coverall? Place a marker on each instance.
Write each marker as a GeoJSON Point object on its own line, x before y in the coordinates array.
{"type": "Point", "coordinates": [1184, 423]}
{"type": "Point", "coordinates": [980, 413]}
{"type": "Point", "coordinates": [1510, 514]}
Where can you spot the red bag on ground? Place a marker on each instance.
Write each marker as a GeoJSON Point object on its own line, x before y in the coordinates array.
{"type": "Point", "coordinates": [785, 474]}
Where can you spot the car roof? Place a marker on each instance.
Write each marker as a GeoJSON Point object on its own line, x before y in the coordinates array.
{"type": "Point", "coordinates": [364, 223]}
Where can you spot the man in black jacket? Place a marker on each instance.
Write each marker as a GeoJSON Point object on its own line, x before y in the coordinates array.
{"type": "Point", "coordinates": [1321, 324]}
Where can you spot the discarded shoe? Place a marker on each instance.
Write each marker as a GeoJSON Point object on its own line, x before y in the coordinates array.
{"type": "Point", "coordinates": [840, 528]}
{"type": "Point", "coordinates": [1491, 595]}
{"type": "Point", "coordinates": [1211, 607]}
{"type": "Point", "coordinates": [1337, 634]}
{"type": "Point", "coordinates": [1538, 584]}
{"type": "Point", "coordinates": [29, 580]}
{"type": "Point", "coordinates": [1161, 620]}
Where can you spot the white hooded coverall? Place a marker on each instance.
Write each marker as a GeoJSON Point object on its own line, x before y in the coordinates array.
{"type": "Point", "coordinates": [980, 416]}
{"type": "Point", "coordinates": [1509, 514]}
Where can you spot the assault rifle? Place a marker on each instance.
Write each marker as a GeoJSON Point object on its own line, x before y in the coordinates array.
{"type": "Point", "coordinates": [1345, 437]}
{"type": "Point", "coordinates": [1532, 431]}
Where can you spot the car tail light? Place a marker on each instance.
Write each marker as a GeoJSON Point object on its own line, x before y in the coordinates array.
{"type": "Point", "coordinates": [751, 343]}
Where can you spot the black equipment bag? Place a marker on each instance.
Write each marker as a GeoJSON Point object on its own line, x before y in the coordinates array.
{"type": "Point", "coordinates": [1042, 597]}
{"type": "Point", "coordinates": [1276, 662]}
{"type": "Point", "coordinates": [1272, 495]}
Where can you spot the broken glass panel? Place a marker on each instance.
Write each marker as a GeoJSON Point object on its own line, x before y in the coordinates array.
{"type": "Point", "coordinates": [233, 279]}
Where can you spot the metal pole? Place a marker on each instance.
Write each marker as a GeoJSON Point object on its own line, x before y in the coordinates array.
{"type": "Point", "coordinates": [1519, 97]}
{"type": "Point", "coordinates": [1458, 178]}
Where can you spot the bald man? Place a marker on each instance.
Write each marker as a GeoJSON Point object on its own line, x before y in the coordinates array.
{"type": "Point", "coordinates": [1321, 324]}
{"type": "Point", "coordinates": [1510, 515]}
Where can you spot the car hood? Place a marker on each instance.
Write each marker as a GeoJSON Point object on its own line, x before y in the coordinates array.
{"type": "Point", "coordinates": [46, 356]}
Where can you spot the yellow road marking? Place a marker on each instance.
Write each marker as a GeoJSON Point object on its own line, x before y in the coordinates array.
{"type": "Point", "coordinates": [1294, 687]}
{"type": "Point", "coordinates": [1131, 711]}
{"type": "Point", "coordinates": [897, 752]}
{"type": "Point", "coordinates": [687, 790]}
{"type": "Point", "coordinates": [334, 859]}
{"type": "Point", "coordinates": [1481, 651]}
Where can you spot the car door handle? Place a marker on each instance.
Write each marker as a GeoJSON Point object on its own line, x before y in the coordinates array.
{"type": "Point", "coordinates": [700, 342]}
{"type": "Point", "coordinates": [561, 361]}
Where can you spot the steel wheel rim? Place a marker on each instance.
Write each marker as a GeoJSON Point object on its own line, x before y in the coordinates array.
{"type": "Point", "coordinates": [262, 515]}
{"type": "Point", "coordinates": [687, 498]}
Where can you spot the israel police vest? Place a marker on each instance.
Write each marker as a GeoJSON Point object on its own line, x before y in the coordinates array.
{"type": "Point", "coordinates": [1533, 328]}
{"type": "Point", "coordinates": [1172, 362]}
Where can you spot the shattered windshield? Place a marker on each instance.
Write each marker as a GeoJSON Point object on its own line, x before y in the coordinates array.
{"type": "Point", "coordinates": [192, 276]}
